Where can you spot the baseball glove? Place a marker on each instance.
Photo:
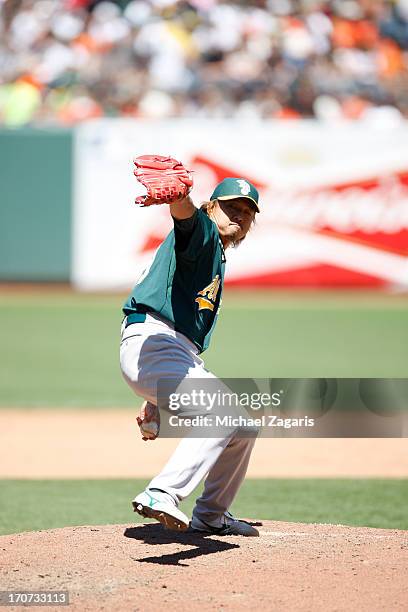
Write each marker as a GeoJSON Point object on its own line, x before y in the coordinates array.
{"type": "Point", "coordinates": [149, 421]}
{"type": "Point", "coordinates": [166, 179]}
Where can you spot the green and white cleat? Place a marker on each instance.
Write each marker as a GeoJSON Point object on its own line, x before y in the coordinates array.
{"type": "Point", "coordinates": [161, 507]}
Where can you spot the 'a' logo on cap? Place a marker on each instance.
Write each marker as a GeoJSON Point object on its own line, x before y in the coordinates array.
{"type": "Point", "coordinates": [244, 186]}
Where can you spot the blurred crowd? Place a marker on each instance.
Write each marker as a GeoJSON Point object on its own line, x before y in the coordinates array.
{"type": "Point", "coordinates": [64, 61]}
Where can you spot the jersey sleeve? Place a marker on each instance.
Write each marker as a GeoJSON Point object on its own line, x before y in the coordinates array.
{"type": "Point", "coordinates": [193, 235]}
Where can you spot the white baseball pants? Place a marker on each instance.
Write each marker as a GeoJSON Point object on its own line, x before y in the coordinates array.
{"type": "Point", "coordinates": [151, 351]}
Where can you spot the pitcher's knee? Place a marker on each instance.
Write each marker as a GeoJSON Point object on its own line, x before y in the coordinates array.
{"type": "Point", "coordinates": [247, 433]}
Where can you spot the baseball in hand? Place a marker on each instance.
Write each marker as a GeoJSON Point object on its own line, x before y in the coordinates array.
{"type": "Point", "coordinates": [149, 421]}
{"type": "Point", "coordinates": [149, 430]}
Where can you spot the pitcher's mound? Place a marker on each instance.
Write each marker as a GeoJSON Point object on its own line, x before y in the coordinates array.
{"type": "Point", "coordinates": [144, 567]}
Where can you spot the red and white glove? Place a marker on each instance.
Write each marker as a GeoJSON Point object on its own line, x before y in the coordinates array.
{"type": "Point", "coordinates": [165, 179]}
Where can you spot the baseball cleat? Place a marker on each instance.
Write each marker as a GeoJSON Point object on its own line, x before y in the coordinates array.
{"type": "Point", "coordinates": [160, 506]}
{"type": "Point", "coordinates": [227, 525]}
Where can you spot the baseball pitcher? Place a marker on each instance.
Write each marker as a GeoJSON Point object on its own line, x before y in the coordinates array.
{"type": "Point", "coordinates": [169, 318]}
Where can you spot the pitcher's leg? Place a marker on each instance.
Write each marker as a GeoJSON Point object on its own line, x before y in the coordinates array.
{"type": "Point", "coordinates": [188, 466]}
{"type": "Point", "coordinates": [146, 359]}
{"type": "Point", "coordinates": [224, 479]}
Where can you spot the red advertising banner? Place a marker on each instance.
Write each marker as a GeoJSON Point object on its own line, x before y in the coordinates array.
{"type": "Point", "coordinates": [362, 218]}
{"type": "Point", "coordinates": [334, 201]}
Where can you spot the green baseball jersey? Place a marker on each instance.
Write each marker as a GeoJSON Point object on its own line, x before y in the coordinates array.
{"type": "Point", "coordinates": [184, 282]}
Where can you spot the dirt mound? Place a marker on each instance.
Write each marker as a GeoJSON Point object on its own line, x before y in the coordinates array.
{"type": "Point", "coordinates": [145, 567]}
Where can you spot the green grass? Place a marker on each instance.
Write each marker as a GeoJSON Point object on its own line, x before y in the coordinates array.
{"type": "Point", "coordinates": [61, 349]}
{"type": "Point", "coordinates": [44, 504]}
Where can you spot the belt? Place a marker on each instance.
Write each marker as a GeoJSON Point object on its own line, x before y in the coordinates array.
{"type": "Point", "coordinates": [135, 317]}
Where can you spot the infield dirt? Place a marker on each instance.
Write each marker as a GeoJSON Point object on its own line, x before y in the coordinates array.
{"type": "Point", "coordinates": [145, 567]}
{"type": "Point", "coordinates": [64, 443]}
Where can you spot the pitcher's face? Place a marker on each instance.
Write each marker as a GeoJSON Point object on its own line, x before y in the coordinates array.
{"type": "Point", "coordinates": [233, 218]}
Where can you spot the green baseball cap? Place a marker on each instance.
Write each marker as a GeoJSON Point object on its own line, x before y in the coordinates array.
{"type": "Point", "coordinates": [232, 188]}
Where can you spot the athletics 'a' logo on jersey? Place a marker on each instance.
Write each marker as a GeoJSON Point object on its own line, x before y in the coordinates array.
{"type": "Point", "coordinates": [244, 186]}
{"type": "Point", "coordinates": [206, 298]}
